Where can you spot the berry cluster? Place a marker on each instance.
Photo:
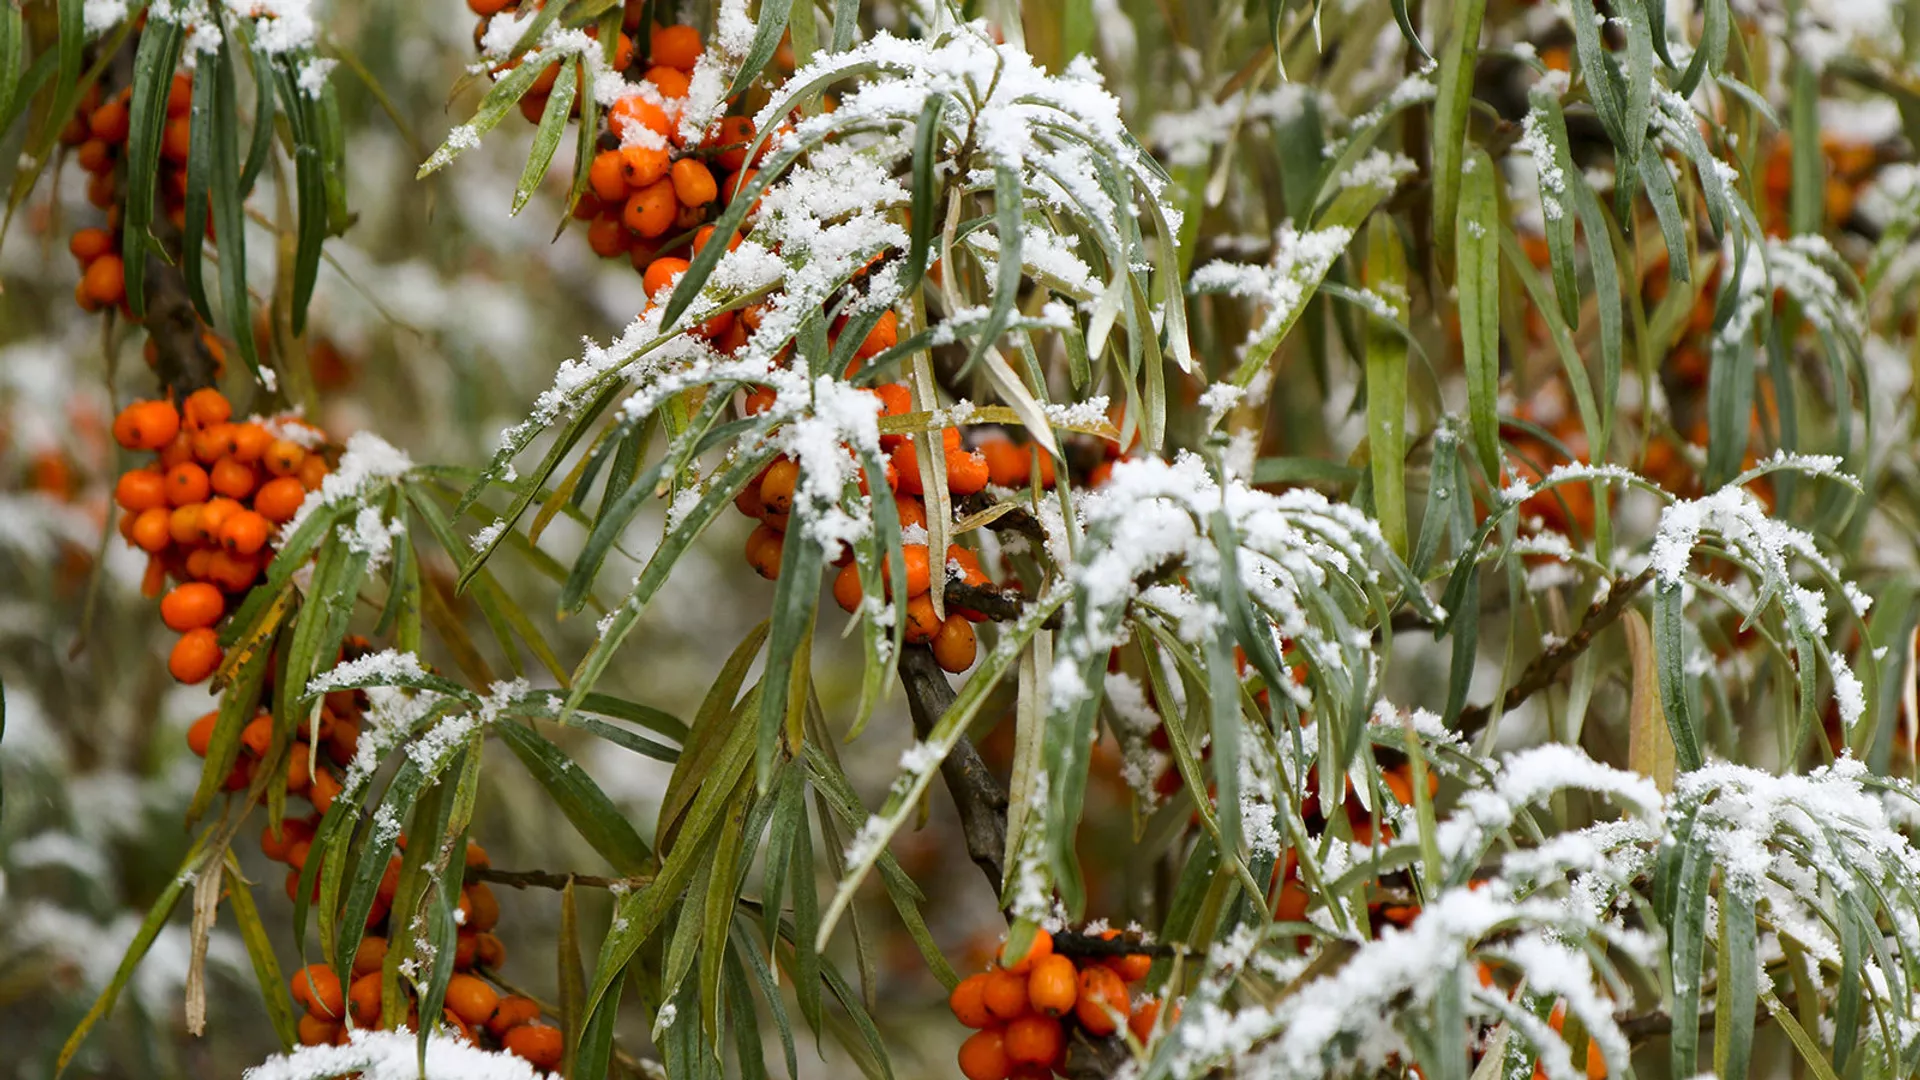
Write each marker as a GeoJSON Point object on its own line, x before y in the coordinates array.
{"type": "Point", "coordinates": [206, 508]}
{"type": "Point", "coordinates": [98, 130]}
{"type": "Point", "coordinates": [1024, 1010]}
{"type": "Point", "coordinates": [473, 1010]}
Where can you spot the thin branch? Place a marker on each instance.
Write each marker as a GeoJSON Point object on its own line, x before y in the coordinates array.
{"type": "Point", "coordinates": [1074, 943]}
{"type": "Point", "coordinates": [1547, 666]}
{"type": "Point", "coordinates": [548, 879]}
{"type": "Point", "coordinates": [976, 792]}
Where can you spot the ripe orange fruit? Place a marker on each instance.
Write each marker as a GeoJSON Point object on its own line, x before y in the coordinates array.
{"type": "Point", "coordinates": [317, 988]}
{"type": "Point", "coordinates": [1143, 1018]}
{"type": "Point", "coordinates": [248, 442]}
{"type": "Point", "coordinates": [967, 472]}
{"type": "Point", "coordinates": [919, 573]}
{"type": "Point", "coordinates": [257, 736]}
{"type": "Point", "coordinates": [317, 1032]}
{"type": "Point", "coordinates": [1132, 967]}
{"type": "Point", "coordinates": [633, 114]}
{"type": "Point", "coordinates": [279, 499]}
{"type": "Point", "coordinates": [471, 999]}
{"type": "Point", "coordinates": [605, 177]}
{"type": "Point", "coordinates": [1102, 1004]}
{"type": "Point", "coordinates": [313, 471]}
{"type": "Point", "coordinates": [140, 489]}
{"type": "Point", "coordinates": [737, 183]}
{"type": "Point", "coordinates": [677, 47]}
{"type": "Point", "coordinates": [109, 122]}
{"type": "Point", "coordinates": [846, 588]}
{"type": "Point", "coordinates": [488, 951]}
{"type": "Point", "coordinates": [89, 244]}
{"type": "Point", "coordinates": [984, 1056]}
{"type": "Point", "coordinates": [323, 790]}
{"type": "Point", "coordinates": [671, 82]}
{"type": "Point", "coordinates": [911, 511]}
{"type": "Point", "coordinates": [205, 408]}
{"type": "Point", "coordinates": [105, 280]}
{"type": "Point", "coordinates": [149, 531]}
{"type": "Point", "coordinates": [540, 1044]}
{"type": "Point", "coordinates": [371, 954]}
{"type": "Point", "coordinates": [290, 832]}
{"type": "Point", "coordinates": [511, 1013]}
{"type": "Point", "coordinates": [485, 913]}
{"type": "Point", "coordinates": [200, 735]}
{"type": "Point", "coordinates": [660, 275]}
{"type": "Point", "coordinates": [364, 995]}
{"type": "Point", "coordinates": [298, 774]}
{"type": "Point", "coordinates": [192, 606]}
{"type": "Point", "coordinates": [245, 533]}
{"type": "Point", "coordinates": [210, 443]}
{"type": "Point", "coordinates": [643, 165]}
{"type": "Point", "coordinates": [283, 457]}
{"type": "Point", "coordinates": [955, 646]}
{"type": "Point", "coordinates": [188, 483]}
{"type": "Point", "coordinates": [693, 183]}
{"type": "Point", "coordinates": [1038, 949]}
{"type": "Point", "coordinates": [1052, 985]}
{"type": "Point", "coordinates": [733, 133]}
{"type": "Point", "coordinates": [764, 547]}
{"type": "Point", "coordinates": [1035, 1040]}
{"type": "Point", "coordinates": [777, 486]}
{"type": "Point", "coordinates": [232, 478]}
{"type": "Point", "coordinates": [884, 335]}
{"type": "Point", "coordinates": [195, 656]}
{"type": "Point", "coordinates": [921, 623]}
{"type": "Point", "coordinates": [969, 1001]}
{"type": "Point", "coordinates": [1008, 463]}
{"type": "Point", "coordinates": [649, 211]}
{"type": "Point", "coordinates": [1006, 995]}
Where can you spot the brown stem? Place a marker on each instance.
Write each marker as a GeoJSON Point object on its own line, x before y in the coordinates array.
{"type": "Point", "coordinates": [976, 792]}
{"type": "Point", "coordinates": [1547, 666]}
{"type": "Point", "coordinates": [547, 879]}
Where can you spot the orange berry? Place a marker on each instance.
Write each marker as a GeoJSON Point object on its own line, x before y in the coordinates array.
{"type": "Point", "coordinates": [777, 487]}
{"type": "Point", "coordinates": [471, 999]}
{"type": "Point", "coordinates": [733, 133]}
{"type": "Point", "coordinates": [232, 478]}
{"type": "Point", "coordinates": [105, 280]}
{"type": "Point", "coordinates": [180, 94]}
{"type": "Point", "coordinates": [140, 489]}
{"type": "Point", "coordinates": [1052, 985]}
{"type": "Point", "coordinates": [283, 457]}
{"type": "Point", "coordinates": [906, 464]}
{"type": "Point", "coordinates": [109, 122]}
{"type": "Point", "coordinates": [737, 183]}
{"type": "Point", "coordinates": [884, 335]}
{"type": "Point", "coordinates": [1006, 995]}
{"type": "Point", "coordinates": [919, 572]}
{"type": "Point", "coordinates": [210, 443]}
{"type": "Point", "coordinates": [910, 511]}
{"type": "Point", "coordinates": [649, 211]}
{"type": "Point", "coordinates": [213, 514]}
{"type": "Point", "coordinates": [192, 606]}
{"type": "Point", "coordinates": [149, 530]}
{"type": "Point", "coordinates": [318, 989]}
{"type": "Point", "coordinates": [177, 452]}
{"type": "Point", "coordinates": [677, 47]}
{"type": "Point", "coordinates": [146, 425]}
{"type": "Point", "coordinates": [634, 113]}
{"type": "Point", "coordinates": [245, 533]}
{"type": "Point", "coordinates": [200, 735]}
{"type": "Point", "coordinates": [187, 484]}
{"type": "Point", "coordinates": [955, 646]}
{"type": "Point", "coordinates": [1132, 967]}
{"type": "Point", "coordinates": [604, 175]}
{"type": "Point", "coordinates": [488, 951]}
{"type": "Point", "coordinates": [257, 736]}
{"type": "Point", "coordinates": [248, 442]}
{"type": "Point", "coordinates": [1143, 1018]}
{"type": "Point", "coordinates": [1038, 949]}
{"type": "Point", "coordinates": [511, 1013]}
{"type": "Point", "coordinates": [299, 775]}
{"type": "Point", "coordinates": [234, 573]}
{"type": "Point", "coordinates": [608, 236]}
{"type": "Point", "coordinates": [195, 656]}
{"type": "Point", "coordinates": [846, 588]}
{"type": "Point", "coordinates": [671, 82]}
{"type": "Point", "coordinates": [660, 276]}
{"type": "Point", "coordinates": [1102, 1004]}
{"type": "Point", "coordinates": [693, 183]}
{"type": "Point", "coordinates": [540, 1044]}
{"type": "Point", "coordinates": [764, 548]}
{"type": "Point", "coordinates": [313, 1030]}
{"type": "Point", "coordinates": [291, 830]}
{"type": "Point", "coordinates": [1035, 1040]}
{"type": "Point", "coordinates": [484, 908]}
{"type": "Point", "coordinates": [969, 1002]}
{"type": "Point", "coordinates": [643, 165]}
{"type": "Point", "coordinates": [89, 244]}
{"type": "Point", "coordinates": [312, 471]}
{"type": "Point", "coordinates": [921, 623]}
{"type": "Point", "coordinates": [966, 472]}
{"type": "Point", "coordinates": [1008, 463]}
{"type": "Point", "coordinates": [95, 157]}
{"type": "Point", "coordinates": [176, 140]}
{"type": "Point", "coordinates": [323, 790]}
{"type": "Point", "coordinates": [364, 995]}
{"type": "Point", "coordinates": [984, 1056]}
{"type": "Point", "coordinates": [205, 408]}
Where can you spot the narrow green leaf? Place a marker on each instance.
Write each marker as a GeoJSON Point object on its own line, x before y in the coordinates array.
{"type": "Point", "coordinates": [592, 813]}
{"type": "Point", "coordinates": [1477, 276]}
{"type": "Point", "coordinates": [153, 66]}
{"type": "Point", "coordinates": [546, 138]}
{"type": "Point", "coordinates": [1386, 277]}
{"type": "Point", "coordinates": [222, 130]}
{"type": "Point", "coordinates": [1450, 118]}
{"type": "Point", "coordinates": [768, 27]}
{"type": "Point", "coordinates": [500, 100]}
{"type": "Point", "coordinates": [1670, 650]}
{"type": "Point", "coordinates": [266, 966]}
{"type": "Point", "coordinates": [1736, 987]}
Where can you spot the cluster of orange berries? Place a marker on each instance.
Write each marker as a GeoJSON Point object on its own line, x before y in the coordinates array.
{"type": "Point", "coordinates": [1024, 1009]}
{"type": "Point", "coordinates": [99, 129]}
{"type": "Point", "coordinates": [206, 508]}
{"type": "Point", "coordinates": [473, 1010]}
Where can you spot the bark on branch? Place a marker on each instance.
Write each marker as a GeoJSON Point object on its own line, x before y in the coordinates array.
{"type": "Point", "coordinates": [976, 792]}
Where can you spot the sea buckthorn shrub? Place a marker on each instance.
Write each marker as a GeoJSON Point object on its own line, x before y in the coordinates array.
{"type": "Point", "coordinates": [1388, 525]}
